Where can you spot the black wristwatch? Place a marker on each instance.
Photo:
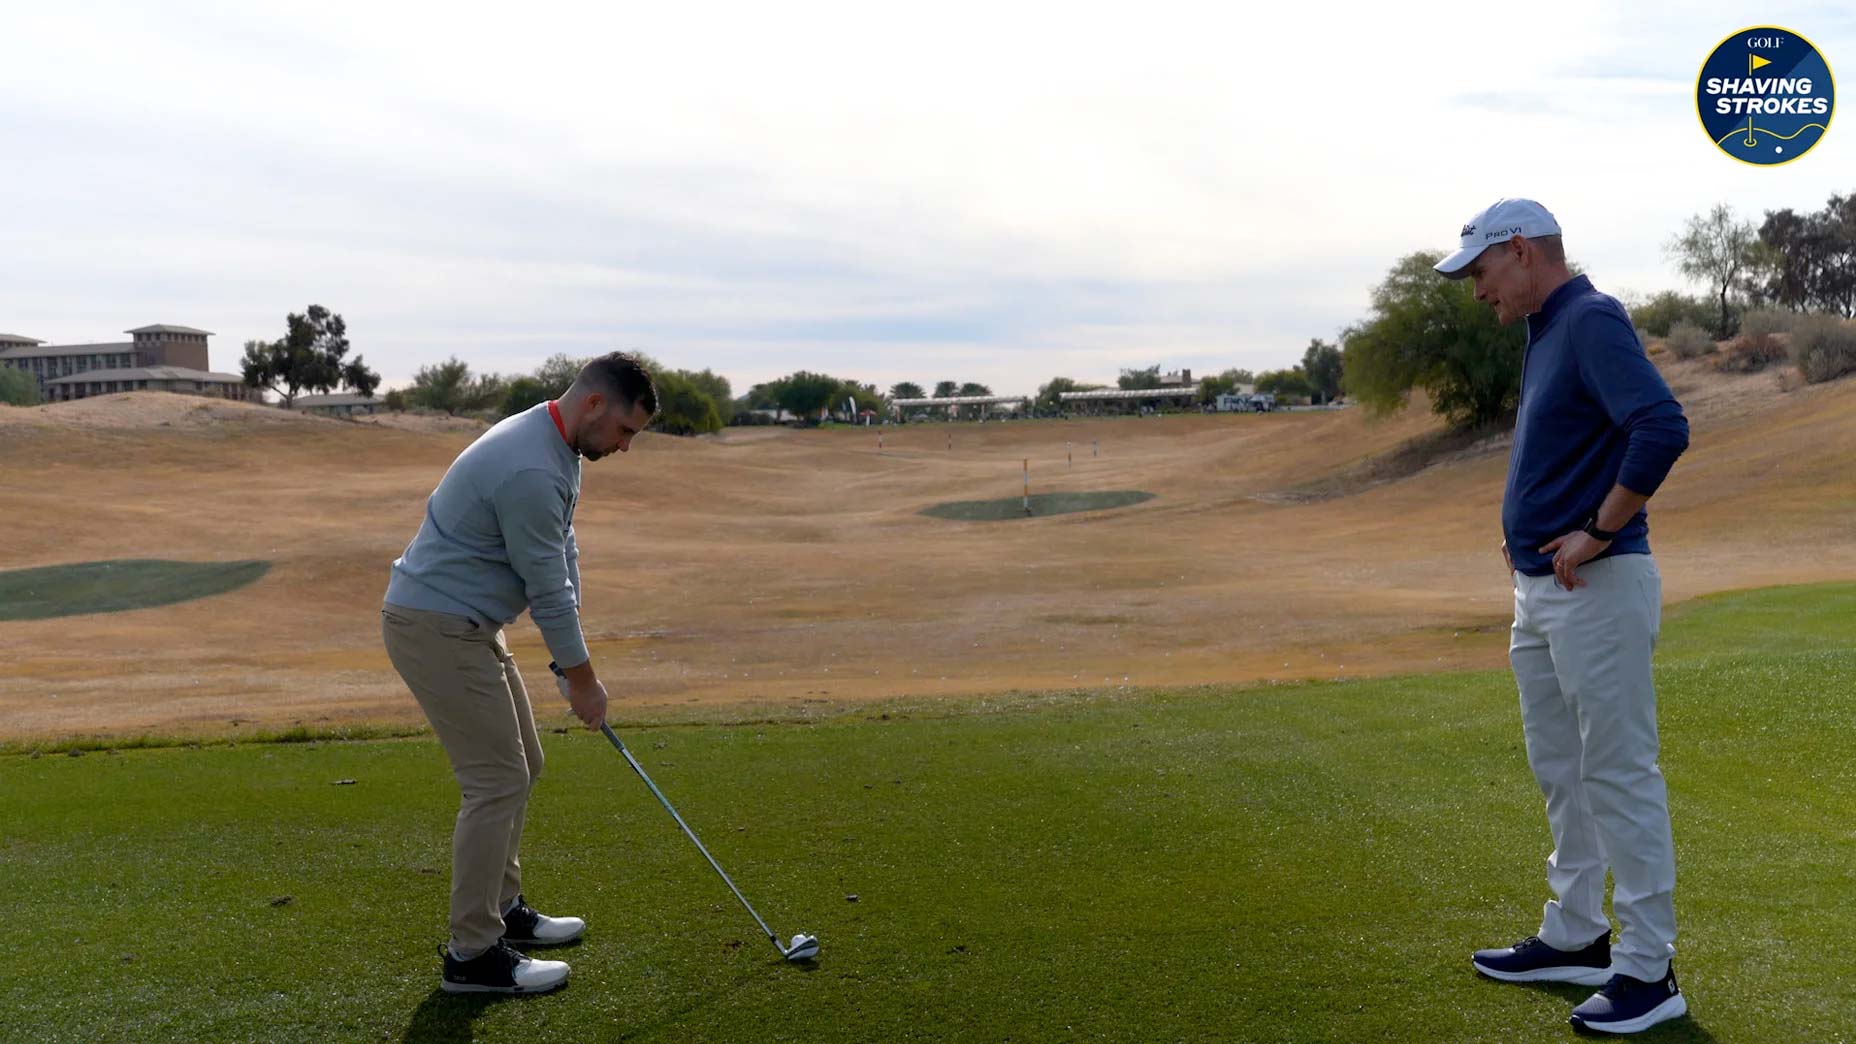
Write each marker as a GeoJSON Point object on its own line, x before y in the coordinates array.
{"type": "Point", "coordinates": [1591, 529]}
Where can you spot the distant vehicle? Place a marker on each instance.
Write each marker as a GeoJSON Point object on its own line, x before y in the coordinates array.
{"type": "Point", "coordinates": [1232, 402]}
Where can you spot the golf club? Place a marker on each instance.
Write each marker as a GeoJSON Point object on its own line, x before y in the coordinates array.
{"type": "Point", "coordinates": [803, 947]}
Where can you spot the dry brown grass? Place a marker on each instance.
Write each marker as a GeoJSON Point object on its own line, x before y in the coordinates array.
{"type": "Point", "coordinates": [774, 571]}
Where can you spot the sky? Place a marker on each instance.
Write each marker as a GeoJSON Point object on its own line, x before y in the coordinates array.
{"type": "Point", "coordinates": [993, 192]}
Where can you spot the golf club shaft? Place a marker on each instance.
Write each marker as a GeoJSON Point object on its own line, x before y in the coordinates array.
{"type": "Point", "coordinates": [691, 834]}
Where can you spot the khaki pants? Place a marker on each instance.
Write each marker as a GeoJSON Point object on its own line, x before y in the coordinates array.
{"type": "Point", "coordinates": [466, 682]}
{"type": "Point", "coordinates": [1588, 712]}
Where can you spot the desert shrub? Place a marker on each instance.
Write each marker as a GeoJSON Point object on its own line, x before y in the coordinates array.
{"type": "Point", "coordinates": [1750, 353]}
{"type": "Point", "coordinates": [1689, 341]}
{"type": "Point", "coordinates": [1658, 315]}
{"type": "Point", "coordinates": [1824, 347]}
{"type": "Point", "coordinates": [1767, 321]}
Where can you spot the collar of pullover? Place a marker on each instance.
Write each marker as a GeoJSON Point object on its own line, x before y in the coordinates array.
{"type": "Point", "coordinates": [1555, 302]}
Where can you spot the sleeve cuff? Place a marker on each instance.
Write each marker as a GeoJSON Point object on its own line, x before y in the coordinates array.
{"type": "Point", "coordinates": [566, 646]}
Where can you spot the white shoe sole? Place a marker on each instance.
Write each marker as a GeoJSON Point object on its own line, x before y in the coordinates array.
{"type": "Point", "coordinates": [470, 987]}
{"type": "Point", "coordinates": [1581, 976]}
{"type": "Point", "coordinates": [1674, 1007]}
{"type": "Point", "coordinates": [513, 941]}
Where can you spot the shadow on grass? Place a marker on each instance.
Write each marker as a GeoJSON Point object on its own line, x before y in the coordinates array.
{"type": "Point", "coordinates": [1684, 1030]}
{"type": "Point", "coordinates": [444, 1018]}
{"type": "Point", "coordinates": [117, 586]}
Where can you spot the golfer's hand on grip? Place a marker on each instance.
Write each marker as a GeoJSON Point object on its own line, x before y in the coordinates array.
{"type": "Point", "coordinates": [588, 702]}
{"type": "Point", "coordinates": [585, 693]}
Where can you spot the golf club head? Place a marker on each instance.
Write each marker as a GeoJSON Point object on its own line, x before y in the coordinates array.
{"type": "Point", "coordinates": [804, 947]}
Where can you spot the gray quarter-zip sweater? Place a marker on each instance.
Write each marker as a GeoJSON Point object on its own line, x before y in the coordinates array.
{"type": "Point", "coordinates": [498, 536]}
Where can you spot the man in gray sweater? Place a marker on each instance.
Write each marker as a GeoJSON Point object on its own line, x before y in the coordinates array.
{"type": "Point", "coordinates": [498, 537]}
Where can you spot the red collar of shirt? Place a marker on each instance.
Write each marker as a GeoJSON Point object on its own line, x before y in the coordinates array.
{"type": "Point", "coordinates": [554, 410]}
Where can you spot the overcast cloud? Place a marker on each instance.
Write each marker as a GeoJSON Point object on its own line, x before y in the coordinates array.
{"type": "Point", "coordinates": [992, 192]}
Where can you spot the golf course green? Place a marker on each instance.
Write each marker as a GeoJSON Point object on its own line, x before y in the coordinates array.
{"type": "Point", "coordinates": [1309, 862]}
{"type": "Point", "coordinates": [117, 586]}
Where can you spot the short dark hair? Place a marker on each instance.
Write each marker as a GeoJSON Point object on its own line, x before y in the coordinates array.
{"type": "Point", "coordinates": [619, 375]}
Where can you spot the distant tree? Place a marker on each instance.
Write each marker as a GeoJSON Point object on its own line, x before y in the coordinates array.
{"type": "Point", "coordinates": [1432, 333]}
{"type": "Point", "coordinates": [716, 387]}
{"type": "Point", "coordinates": [1807, 262]}
{"type": "Point", "coordinates": [1050, 394]}
{"type": "Point", "coordinates": [487, 392]}
{"type": "Point", "coordinates": [865, 396]}
{"type": "Point", "coordinates": [1321, 367]}
{"type": "Point", "coordinates": [309, 357]}
{"type": "Point", "coordinates": [395, 401]}
{"type": "Point", "coordinates": [682, 407]}
{"type": "Point", "coordinates": [1714, 249]}
{"type": "Point", "coordinates": [972, 388]}
{"type": "Point", "coordinates": [441, 387]}
{"type": "Point", "coordinates": [763, 396]}
{"type": "Point", "coordinates": [450, 388]}
{"type": "Point", "coordinates": [18, 388]}
{"type": "Point", "coordinates": [1227, 382]}
{"type": "Point", "coordinates": [804, 394]}
{"type": "Point", "coordinates": [906, 390]}
{"type": "Point", "coordinates": [524, 393]}
{"type": "Point", "coordinates": [946, 389]}
{"type": "Point", "coordinates": [558, 373]}
{"type": "Point", "coordinates": [1285, 382]}
{"type": "Point", "coordinates": [1214, 385]}
{"type": "Point", "coordinates": [1132, 380]}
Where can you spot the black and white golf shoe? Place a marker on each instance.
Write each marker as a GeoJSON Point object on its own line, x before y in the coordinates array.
{"type": "Point", "coordinates": [1531, 960]}
{"type": "Point", "coordinates": [500, 969]}
{"type": "Point", "coordinates": [1628, 1005]}
{"type": "Point", "coordinates": [523, 925]}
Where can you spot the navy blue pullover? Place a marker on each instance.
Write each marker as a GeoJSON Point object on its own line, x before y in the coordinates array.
{"type": "Point", "coordinates": [1594, 413]}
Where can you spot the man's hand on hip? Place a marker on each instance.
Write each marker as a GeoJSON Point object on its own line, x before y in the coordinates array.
{"type": "Point", "coordinates": [1507, 559]}
{"type": "Point", "coordinates": [1569, 553]}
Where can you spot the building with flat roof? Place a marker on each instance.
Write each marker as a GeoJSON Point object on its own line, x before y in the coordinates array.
{"type": "Point", "coordinates": [159, 358]}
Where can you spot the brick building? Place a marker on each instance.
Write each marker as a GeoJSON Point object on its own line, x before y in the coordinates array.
{"type": "Point", "coordinates": [160, 358]}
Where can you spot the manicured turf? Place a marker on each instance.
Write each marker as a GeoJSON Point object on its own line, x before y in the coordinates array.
{"type": "Point", "coordinates": [1293, 863]}
{"type": "Point", "coordinates": [1042, 504]}
{"type": "Point", "coordinates": [115, 586]}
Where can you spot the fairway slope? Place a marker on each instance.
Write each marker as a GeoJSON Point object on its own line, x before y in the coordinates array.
{"type": "Point", "coordinates": [783, 572]}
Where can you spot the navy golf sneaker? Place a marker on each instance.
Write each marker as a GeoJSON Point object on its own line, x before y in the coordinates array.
{"type": "Point", "coordinates": [500, 969]}
{"type": "Point", "coordinates": [1628, 1005]}
{"type": "Point", "coordinates": [1531, 960]}
{"type": "Point", "coordinates": [523, 925]}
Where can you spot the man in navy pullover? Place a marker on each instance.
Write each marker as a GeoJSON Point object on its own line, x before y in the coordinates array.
{"type": "Point", "coordinates": [1597, 432]}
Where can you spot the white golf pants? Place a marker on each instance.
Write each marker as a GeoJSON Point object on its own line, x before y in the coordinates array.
{"type": "Point", "coordinates": [1588, 710]}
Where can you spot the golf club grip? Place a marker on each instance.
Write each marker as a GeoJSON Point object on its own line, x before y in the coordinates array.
{"type": "Point", "coordinates": [691, 834]}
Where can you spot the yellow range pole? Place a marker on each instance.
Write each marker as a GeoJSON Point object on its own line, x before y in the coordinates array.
{"type": "Point", "coordinates": [1069, 458]}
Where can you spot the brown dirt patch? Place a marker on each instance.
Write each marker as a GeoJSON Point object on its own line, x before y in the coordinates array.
{"type": "Point", "coordinates": [777, 571]}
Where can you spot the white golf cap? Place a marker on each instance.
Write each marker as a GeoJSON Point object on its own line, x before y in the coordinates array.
{"type": "Point", "coordinates": [1499, 222]}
